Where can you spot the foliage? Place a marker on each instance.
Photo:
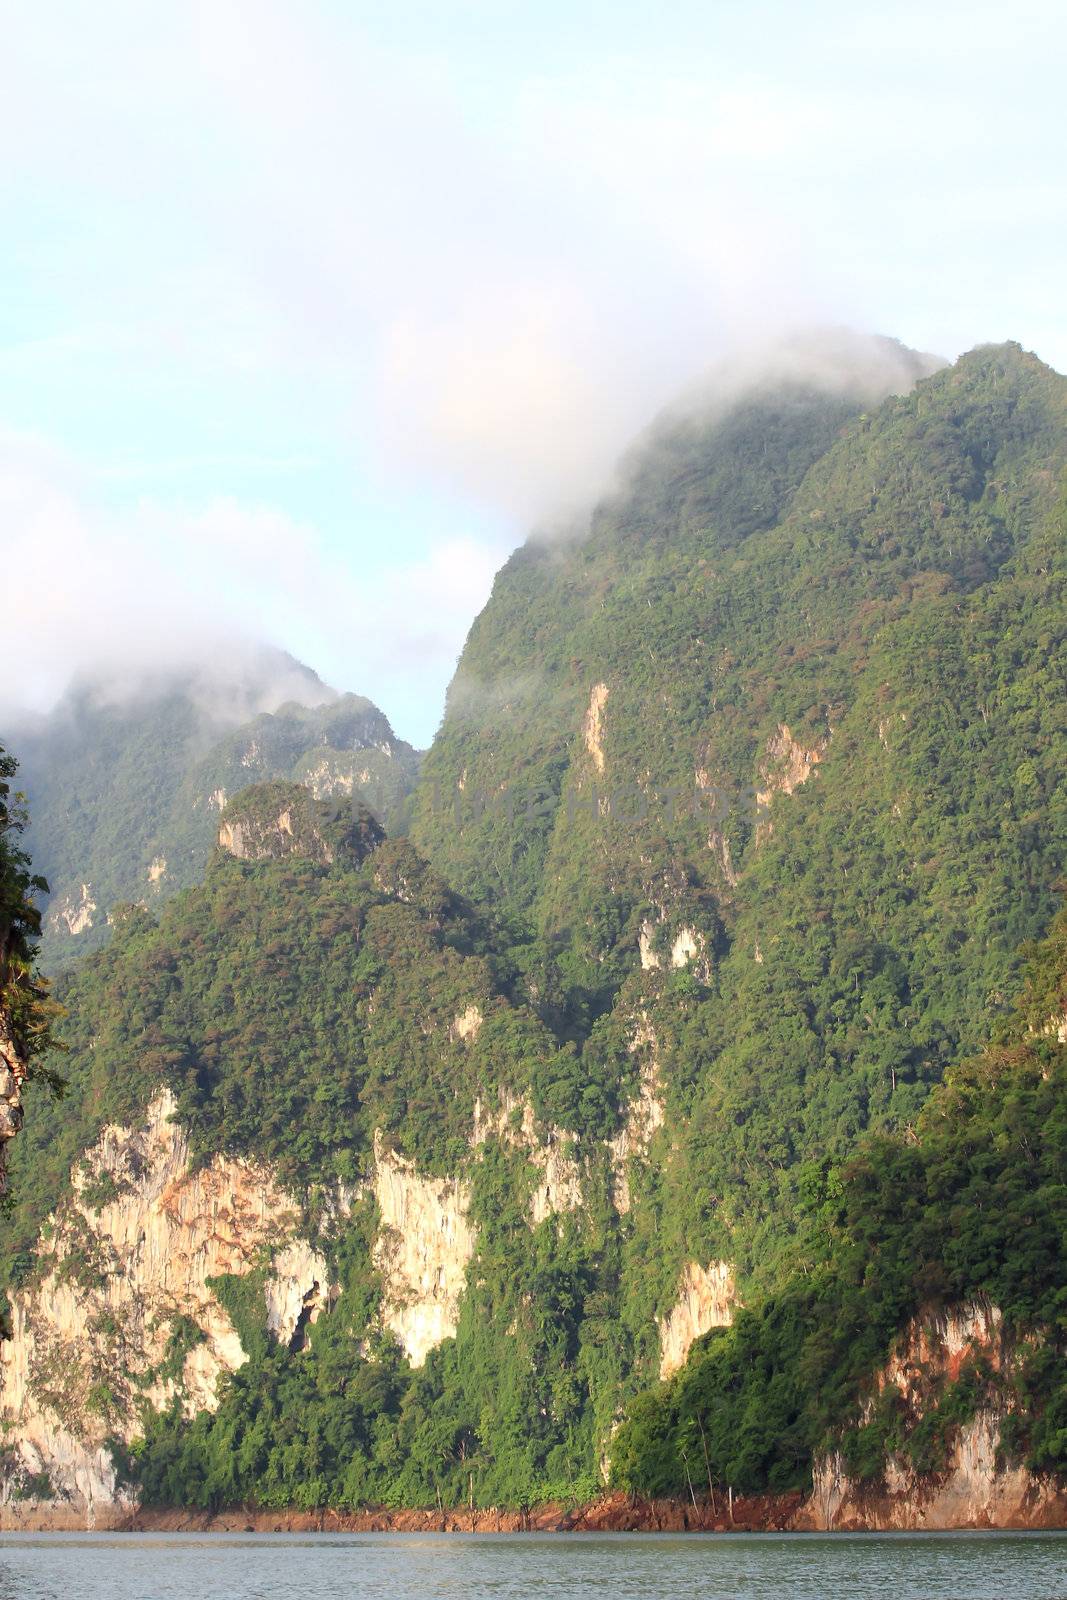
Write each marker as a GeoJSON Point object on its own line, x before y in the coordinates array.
{"type": "Point", "coordinates": [292, 1008]}
{"type": "Point", "coordinates": [122, 782]}
{"type": "Point", "coordinates": [889, 586]}
{"type": "Point", "coordinates": [27, 1011]}
{"type": "Point", "coordinates": [975, 1208]}
{"type": "Point", "coordinates": [858, 616]}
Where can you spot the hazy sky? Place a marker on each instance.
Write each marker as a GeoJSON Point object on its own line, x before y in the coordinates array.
{"type": "Point", "coordinates": [308, 309]}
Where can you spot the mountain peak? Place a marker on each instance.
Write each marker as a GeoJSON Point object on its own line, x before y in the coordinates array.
{"type": "Point", "coordinates": [271, 820]}
{"type": "Point", "coordinates": [230, 685]}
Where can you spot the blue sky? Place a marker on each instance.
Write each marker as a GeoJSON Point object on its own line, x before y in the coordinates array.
{"type": "Point", "coordinates": [309, 311]}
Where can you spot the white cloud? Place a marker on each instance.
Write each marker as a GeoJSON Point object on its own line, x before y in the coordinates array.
{"type": "Point", "coordinates": [155, 587]}
{"type": "Point", "coordinates": [481, 246]}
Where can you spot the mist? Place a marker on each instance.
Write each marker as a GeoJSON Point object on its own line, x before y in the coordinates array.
{"type": "Point", "coordinates": [866, 367]}
{"type": "Point", "coordinates": [835, 361]}
{"type": "Point", "coordinates": [345, 302]}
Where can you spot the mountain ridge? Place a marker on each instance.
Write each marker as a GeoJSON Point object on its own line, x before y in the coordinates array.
{"type": "Point", "coordinates": [565, 1084]}
{"type": "Point", "coordinates": [125, 784]}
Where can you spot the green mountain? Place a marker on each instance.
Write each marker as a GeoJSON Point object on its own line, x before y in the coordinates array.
{"type": "Point", "coordinates": [127, 776]}
{"type": "Point", "coordinates": [969, 1210]}
{"type": "Point", "coordinates": [621, 1120]}
{"type": "Point", "coordinates": [774, 756]}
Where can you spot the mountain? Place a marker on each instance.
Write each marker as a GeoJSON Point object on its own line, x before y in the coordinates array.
{"type": "Point", "coordinates": [772, 756]}
{"type": "Point", "coordinates": [902, 1348]}
{"type": "Point", "coordinates": [668, 1090]}
{"type": "Point", "coordinates": [127, 775]}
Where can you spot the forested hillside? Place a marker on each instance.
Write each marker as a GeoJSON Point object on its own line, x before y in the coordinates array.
{"type": "Point", "coordinates": [971, 1209]}
{"type": "Point", "coordinates": [27, 1011]}
{"type": "Point", "coordinates": [976, 1208]}
{"type": "Point", "coordinates": [820, 657]}
{"type": "Point", "coordinates": [638, 1111]}
{"type": "Point", "coordinates": [126, 777]}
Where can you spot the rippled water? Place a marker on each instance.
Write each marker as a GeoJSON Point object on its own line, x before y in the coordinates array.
{"type": "Point", "coordinates": [953, 1566]}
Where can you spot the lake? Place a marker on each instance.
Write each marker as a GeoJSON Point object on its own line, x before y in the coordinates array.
{"type": "Point", "coordinates": [914, 1566]}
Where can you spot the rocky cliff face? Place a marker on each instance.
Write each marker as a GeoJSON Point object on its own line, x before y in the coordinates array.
{"type": "Point", "coordinates": [422, 1251]}
{"type": "Point", "coordinates": [272, 820]}
{"type": "Point", "coordinates": [645, 1115]}
{"type": "Point", "coordinates": [120, 1311]}
{"type": "Point", "coordinates": [975, 1488]}
{"type": "Point", "coordinates": [267, 832]}
{"type": "Point", "coordinates": [72, 913]}
{"type": "Point", "coordinates": [707, 1297]}
{"type": "Point", "coordinates": [12, 1072]}
{"type": "Point", "coordinates": [557, 1173]}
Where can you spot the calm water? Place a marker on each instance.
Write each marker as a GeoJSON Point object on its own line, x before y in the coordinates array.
{"type": "Point", "coordinates": [953, 1566]}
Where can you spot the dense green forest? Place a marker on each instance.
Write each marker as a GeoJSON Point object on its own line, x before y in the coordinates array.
{"type": "Point", "coordinates": [293, 1008]}
{"type": "Point", "coordinates": [977, 1205]}
{"type": "Point", "coordinates": [748, 808]}
{"type": "Point", "coordinates": [28, 1014]}
{"type": "Point", "coordinates": [126, 779]}
{"type": "Point", "coordinates": [974, 1206]}
{"type": "Point", "coordinates": [898, 604]}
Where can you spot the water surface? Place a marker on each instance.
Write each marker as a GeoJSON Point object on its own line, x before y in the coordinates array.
{"type": "Point", "coordinates": [367, 1566]}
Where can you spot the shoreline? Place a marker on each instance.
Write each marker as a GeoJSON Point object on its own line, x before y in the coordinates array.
{"type": "Point", "coordinates": [611, 1513]}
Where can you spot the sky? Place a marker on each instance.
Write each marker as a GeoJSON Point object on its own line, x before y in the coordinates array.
{"type": "Point", "coordinates": [310, 311]}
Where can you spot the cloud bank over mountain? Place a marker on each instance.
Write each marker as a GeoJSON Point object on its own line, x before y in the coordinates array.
{"type": "Point", "coordinates": [385, 287]}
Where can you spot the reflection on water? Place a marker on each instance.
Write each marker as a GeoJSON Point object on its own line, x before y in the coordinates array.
{"type": "Point", "coordinates": [953, 1566]}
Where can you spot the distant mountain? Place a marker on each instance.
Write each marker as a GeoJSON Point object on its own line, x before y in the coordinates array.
{"type": "Point", "coordinates": [126, 777]}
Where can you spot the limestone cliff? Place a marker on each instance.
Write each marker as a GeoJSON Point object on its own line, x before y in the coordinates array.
{"type": "Point", "coordinates": [687, 946]}
{"type": "Point", "coordinates": [644, 1115]}
{"type": "Point", "coordinates": [422, 1251]}
{"type": "Point", "coordinates": [271, 820]}
{"type": "Point", "coordinates": [73, 912]}
{"type": "Point", "coordinates": [12, 1073]}
{"type": "Point", "coordinates": [976, 1486]}
{"type": "Point", "coordinates": [593, 725]}
{"type": "Point", "coordinates": [706, 1299]}
{"type": "Point", "coordinates": [788, 764]}
{"type": "Point", "coordinates": [119, 1310]}
{"type": "Point", "coordinates": [262, 824]}
{"type": "Point", "coordinates": [551, 1152]}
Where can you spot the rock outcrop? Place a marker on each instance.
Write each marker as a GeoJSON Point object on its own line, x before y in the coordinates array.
{"type": "Point", "coordinates": [707, 1297]}
{"type": "Point", "coordinates": [272, 820]}
{"type": "Point", "coordinates": [975, 1487]}
{"type": "Point", "coordinates": [296, 1292]}
{"type": "Point", "coordinates": [644, 1116]}
{"type": "Point", "coordinates": [787, 765]}
{"type": "Point", "coordinates": [468, 1023]}
{"type": "Point", "coordinates": [266, 825]}
{"type": "Point", "coordinates": [12, 1073]}
{"type": "Point", "coordinates": [593, 725]}
{"type": "Point", "coordinates": [421, 1251]}
{"type": "Point", "coordinates": [73, 912]}
{"type": "Point", "coordinates": [120, 1310]}
{"type": "Point", "coordinates": [558, 1184]}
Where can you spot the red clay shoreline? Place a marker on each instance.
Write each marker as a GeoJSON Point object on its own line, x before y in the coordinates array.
{"type": "Point", "coordinates": [616, 1513]}
{"type": "Point", "coordinates": [610, 1513]}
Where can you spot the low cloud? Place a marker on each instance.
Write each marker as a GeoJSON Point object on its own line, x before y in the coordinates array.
{"type": "Point", "coordinates": [469, 252]}
{"type": "Point", "coordinates": [131, 597]}
{"type": "Point", "coordinates": [499, 284]}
